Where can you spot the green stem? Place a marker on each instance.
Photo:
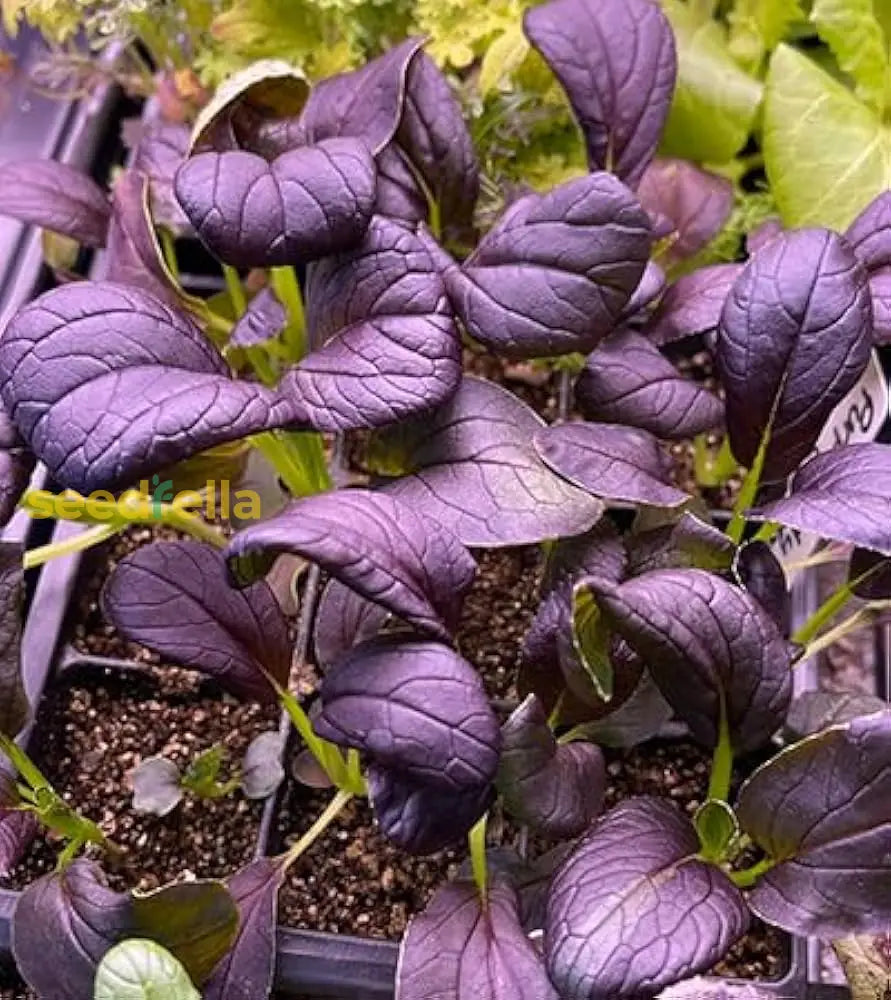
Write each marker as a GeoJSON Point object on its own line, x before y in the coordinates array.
{"type": "Point", "coordinates": [296, 461]}
{"type": "Point", "coordinates": [710, 468]}
{"type": "Point", "coordinates": [747, 493]}
{"type": "Point", "coordinates": [190, 524]}
{"type": "Point", "coordinates": [235, 289]}
{"type": "Point", "coordinates": [168, 247]}
{"type": "Point", "coordinates": [722, 760]}
{"type": "Point", "coordinates": [334, 808]}
{"type": "Point", "coordinates": [76, 543]}
{"type": "Point", "coordinates": [825, 613]}
{"type": "Point", "coordinates": [854, 621]}
{"type": "Point", "coordinates": [767, 532]}
{"type": "Point", "coordinates": [287, 288]}
{"type": "Point", "coordinates": [477, 841]}
{"type": "Point", "coordinates": [749, 876]}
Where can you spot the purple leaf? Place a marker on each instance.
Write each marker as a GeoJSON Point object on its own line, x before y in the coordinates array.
{"type": "Point", "coordinates": [640, 717]}
{"type": "Point", "coordinates": [264, 320]}
{"type": "Point", "coordinates": [692, 624]}
{"type": "Point", "coordinates": [414, 706]}
{"type": "Point", "coordinates": [619, 463]}
{"type": "Point", "coordinates": [686, 544]}
{"type": "Point", "coordinates": [555, 789]}
{"type": "Point", "coordinates": [813, 711]}
{"type": "Point", "coordinates": [821, 809]}
{"type": "Point", "coordinates": [697, 202]}
{"type": "Point", "coordinates": [434, 136]}
{"type": "Point", "coordinates": [794, 337]}
{"type": "Point", "coordinates": [16, 466]}
{"type": "Point", "coordinates": [18, 827]}
{"type": "Point", "coordinates": [14, 707]}
{"type": "Point", "coordinates": [106, 384]}
{"type": "Point", "coordinates": [473, 467]}
{"type": "Point", "coordinates": [616, 61]}
{"type": "Point", "coordinates": [383, 549]}
{"type": "Point", "coordinates": [458, 949]}
{"type": "Point", "coordinates": [305, 204]}
{"type": "Point", "coordinates": [157, 787]}
{"type": "Point", "coordinates": [234, 636]}
{"type": "Point", "coordinates": [761, 573]}
{"type": "Point", "coordinates": [134, 257]}
{"type": "Point", "coordinates": [633, 909]}
{"type": "Point", "coordinates": [627, 380]}
{"type": "Point", "coordinates": [649, 288]}
{"type": "Point", "coordinates": [844, 495]}
{"type": "Point", "coordinates": [714, 989]}
{"type": "Point", "coordinates": [693, 304]}
{"type": "Point", "coordinates": [343, 619]}
{"type": "Point", "coordinates": [870, 236]}
{"type": "Point", "coordinates": [761, 235]}
{"type": "Point", "coordinates": [385, 342]}
{"type": "Point", "coordinates": [556, 272]}
{"type": "Point", "coordinates": [158, 150]}
{"type": "Point", "coordinates": [421, 818]}
{"type": "Point", "coordinates": [57, 197]}
{"type": "Point", "coordinates": [398, 194]}
{"type": "Point", "coordinates": [248, 969]}
{"type": "Point", "coordinates": [366, 103]}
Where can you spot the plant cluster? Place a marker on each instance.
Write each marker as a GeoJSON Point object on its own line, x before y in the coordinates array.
{"type": "Point", "coordinates": [343, 218]}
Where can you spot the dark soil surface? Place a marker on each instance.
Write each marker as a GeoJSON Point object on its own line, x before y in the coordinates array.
{"type": "Point", "coordinates": [535, 384]}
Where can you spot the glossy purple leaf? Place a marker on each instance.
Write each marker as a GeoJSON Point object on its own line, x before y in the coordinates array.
{"type": "Point", "coordinates": [385, 550]}
{"type": "Point", "coordinates": [18, 827]}
{"type": "Point", "coordinates": [231, 635]}
{"type": "Point", "coordinates": [263, 320]}
{"type": "Point", "coordinates": [420, 818]}
{"type": "Point", "coordinates": [106, 384]}
{"type": "Point", "coordinates": [473, 467]}
{"type": "Point", "coordinates": [813, 711]}
{"type": "Point", "coordinates": [649, 288]}
{"type": "Point", "coordinates": [693, 304]}
{"type": "Point", "coordinates": [870, 236]}
{"type": "Point", "coordinates": [794, 337]}
{"type": "Point", "coordinates": [697, 202]}
{"type": "Point", "coordinates": [305, 204]}
{"type": "Point", "coordinates": [762, 574]}
{"type": "Point", "coordinates": [555, 789]}
{"type": "Point", "coordinates": [714, 989]}
{"type": "Point", "coordinates": [844, 495]}
{"type": "Point", "coordinates": [616, 61]}
{"type": "Point", "coordinates": [627, 380]}
{"type": "Point", "coordinates": [366, 103]}
{"type": "Point", "coordinates": [458, 949]}
{"type": "Point", "coordinates": [822, 810]}
{"type": "Point", "coordinates": [690, 624]}
{"type": "Point", "coordinates": [633, 909]}
{"type": "Point", "coordinates": [385, 342]}
{"type": "Point", "coordinates": [399, 195]}
{"type": "Point", "coordinates": [435, 138]}
{"type": "Point", "coordinates": [158, 150]}
{"type": "Point", "coordinates": [685, 544]}
{"type": "Point", "coordinates": [57, 197]}
{"type": "Point", "coordinates": [414, 706]}
{"type": "Point", "coordinates": [248, 969]}
{"type": "Point", "coordinates": [16, 465]}
{"type": "Point", "coordinates": [642, 716]}
{"type": "Point", "coordinates": [619, 463]}
{"type": "Point", "coordinates": [14, 707]}
{"type": "Point", "coordinates": [344, 618]}
{"type": "Point", "coordinates": [761, 235]}
{"type": "Point", "coordinates": [556, 272]}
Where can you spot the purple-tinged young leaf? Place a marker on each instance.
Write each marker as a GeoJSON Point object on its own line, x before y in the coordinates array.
{"type": "Point", "coordinates": [398, 194]}
{"type": "Point", "coordinates": [555, 789]}
{"type": "Point", "coordinates": [619, 463]}
{"type": "Point", "coordinates": [714, 989]}
{"type": "Point", "coordinates": [261, 766]}
{"type": "Point", "coordinates": [344, 618]}
{"type": "Point", "coordinates": [693, 304]}
{"type": "Point", "coordinates": [844, 495]}
{"type": "Point", "coordinates": [158, 150]}
{"type": "Point", "coordinates": [385, 550]}
{"type": "Point", "coordinates": [367, 103]}
{"type": "Point", "coordinates": [822, 810]}
{"type": "Point", "coordinates": [385, 342]}
{"type": "Point", "coordinates": [457, 949]}
{"type": "Point", "coordinates": [156, 786]}
{"type": "Point", "coordinates": [106, 384]}
{"type": "Point", "coordinates": [14, 707]}
{"type": "Point", "coordinates": [248, 969]}
{"type": "Point", "coordinates": [263, 320]}
{"type": "Point", "coordinates": [600, 550]}
{"type": "Point", "coordinates": [697, 202]}
{"type": "Point", "coordinates": [435, 138]}
{"type": "Point", "coordinates": [758, 570]}
{"type": "Point", "coordinates": [616, 61]}
{"type": "Point", "coordinates": [649, 288]}
{"type": "Point", "coordinates": [18, 827]}
{"type": "Point", "coordinates": [794, 337]}
{"type": "Point", "coordinates": [231, 635]}
{"type": "Point", "coordinates": [556, 272]}
{"type": "Point", "coordinates": [472, 466]}
{"type": "Point", "coordinates": [420, 818]}
{"type": "Point", "coordinates": [705, 640]}
{"type": "Point", "coordinates": [627, 380]}
{"type": "Point", "coordinates": [414, 706]}
{"type": "Point", "coordinates": [688, 543]}
{"type": "Point", "coordinates": [57, 197]}
{"type": "Point", "coordinates": [16, 465]}
{"type": "Point", "coordinates": [813, 711]}
{"type": "Point", "coordinates": [304, 205]}
{"type": "Point", "coordinates": [763, 234]}
{"type": "Point", "coordinates": [870, 236]}
{"type": "Point", "coordinates": [640, 717]}
{"type": "Point", "coordinates": [632, 909]}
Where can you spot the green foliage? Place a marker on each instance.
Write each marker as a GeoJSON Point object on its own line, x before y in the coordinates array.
{"type": "Point", "coordinates": [758, 26]}
{"type": "Point", "coordinates": [139, 969]}
{"type": "Point", "coordinates": [851, 28]}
